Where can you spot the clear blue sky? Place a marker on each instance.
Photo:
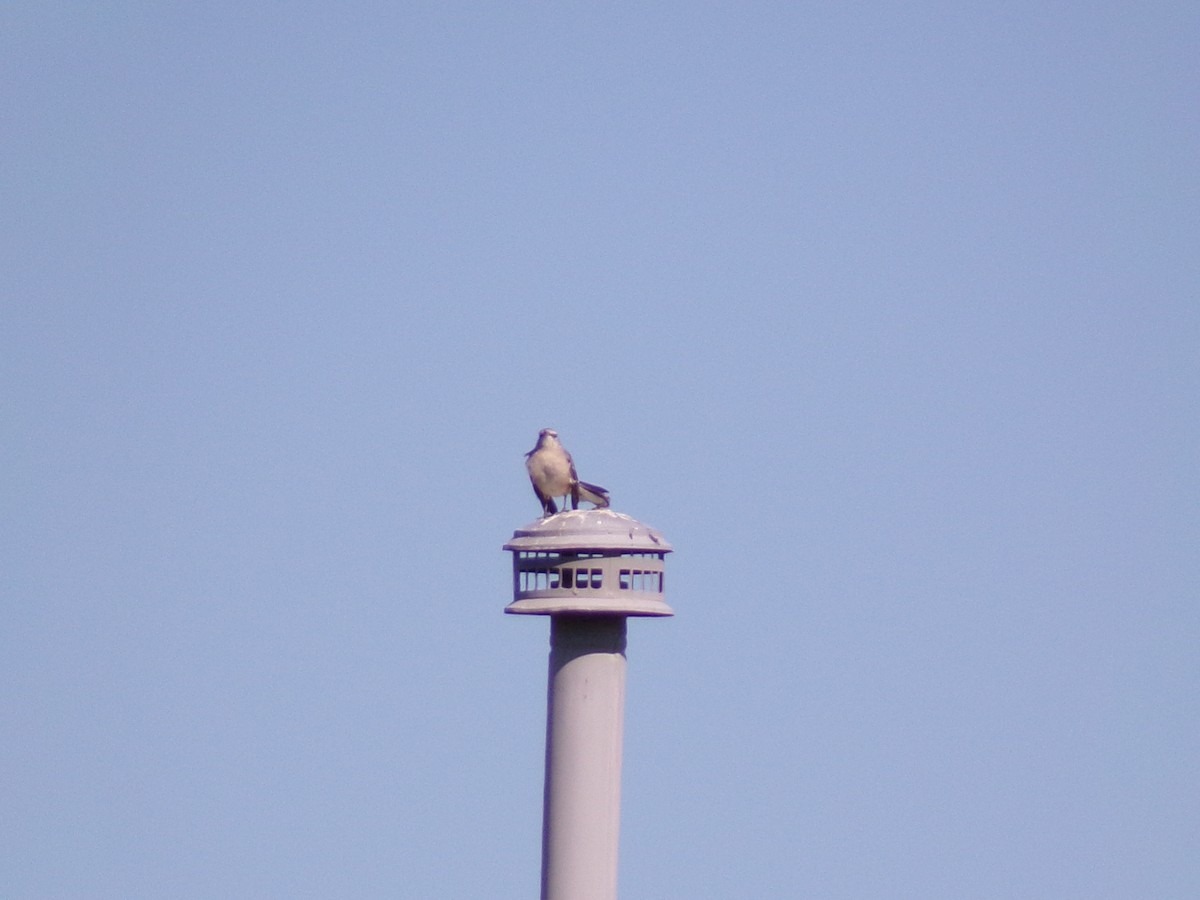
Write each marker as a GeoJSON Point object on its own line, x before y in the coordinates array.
{"type": "Point", "coordinates": [887, 315]}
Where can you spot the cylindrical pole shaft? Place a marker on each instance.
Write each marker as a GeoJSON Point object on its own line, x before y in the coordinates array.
{"type": "Point", "coordinates": [584, 725]}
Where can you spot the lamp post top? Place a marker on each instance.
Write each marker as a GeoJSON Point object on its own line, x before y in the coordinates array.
{"type": "Point", "coordinates": [588, 530]}
{"type": "Point", "coordinates": [588, 562]}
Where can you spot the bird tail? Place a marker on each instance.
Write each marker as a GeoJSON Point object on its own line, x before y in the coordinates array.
{"type": "Point", "coordinates": [593, 494]}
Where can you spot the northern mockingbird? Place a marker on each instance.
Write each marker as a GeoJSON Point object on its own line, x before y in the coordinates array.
{"type": "Point", "coordinates": [552, 472]}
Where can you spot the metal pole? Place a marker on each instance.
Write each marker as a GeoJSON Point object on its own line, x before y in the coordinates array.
{"type": "Point", "coordinates": [584, 727]}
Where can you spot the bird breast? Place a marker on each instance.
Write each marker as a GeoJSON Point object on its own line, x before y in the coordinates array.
{"type": "Point", "coordinates": [551, 472]}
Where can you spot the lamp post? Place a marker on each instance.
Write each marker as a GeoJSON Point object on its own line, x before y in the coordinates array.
{"type": "Point", "coordinates": [589, 570]}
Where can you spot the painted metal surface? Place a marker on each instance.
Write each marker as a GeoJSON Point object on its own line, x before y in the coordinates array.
{"type": "Point", "coordinates": [584, 731]}
{"type": "Point", "coordinates": [598, 529]}
{"type": "Point", "coordinates": [588, 570]}
{"type": "Point", "coordinates": [591, 562]}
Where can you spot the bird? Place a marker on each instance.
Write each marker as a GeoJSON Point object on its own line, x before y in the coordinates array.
{"type": "Point", "coordinates": [552, 473]}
